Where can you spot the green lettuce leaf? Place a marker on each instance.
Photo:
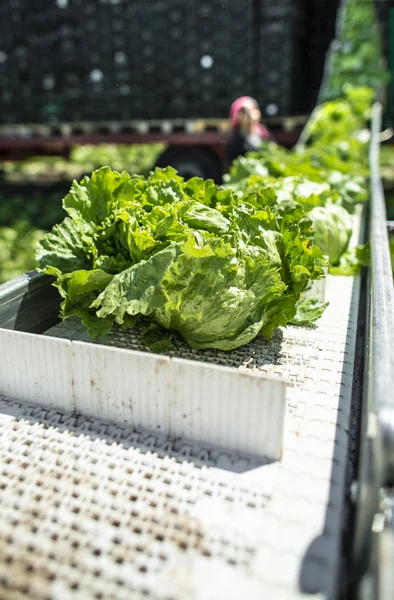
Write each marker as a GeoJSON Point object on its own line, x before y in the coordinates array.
{"type": "Point", "coordinates": [212, 299]}
{"type": "Point", "coordinates": [64, 250]}
{"type": "Point", "coordinates": [333, 228]}
{"type": "Point", "coordinates": [309, 310]}
{"type": "Point", "coordinates": [352, 260]}
{"type": "Point", "coordinates": [79, 290]}
{"type": "Point", "coordinates": [93, 200]}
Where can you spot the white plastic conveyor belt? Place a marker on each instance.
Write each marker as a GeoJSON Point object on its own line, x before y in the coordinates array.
{"type": "Point", "coordinates": [90, 509]}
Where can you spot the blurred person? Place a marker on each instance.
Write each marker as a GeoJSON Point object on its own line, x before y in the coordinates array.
{"type": "Point", "coordinates": [247, 132]}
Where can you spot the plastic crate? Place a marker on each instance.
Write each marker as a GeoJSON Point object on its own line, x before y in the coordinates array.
{"type": "Point", "coordinates": [138, 51]}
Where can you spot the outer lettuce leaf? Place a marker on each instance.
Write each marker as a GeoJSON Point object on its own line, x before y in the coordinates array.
{"type": "Point", "coordinates": [64, 249]}
{"type": "Point", "coordinates": [243, 166]}
{"type": "Point", "coordinates": [333, 229]}
{"type": "Point", "coordinates": [157, 338]}
{"type": "Point", "coordinates": [93, 200]}
{"type": "Point", "coordinates": [79, 289]}
{"type": "Point", "coordinates": [212, 300]}
{"type": "Point", "coordinates": [309, 310]}
{"type": "Point", "coordinates": [352, 260]}
{"type": "Point", "coordinates": [199, 216]}
{"type": "Point", "coordinates": [351, 189]}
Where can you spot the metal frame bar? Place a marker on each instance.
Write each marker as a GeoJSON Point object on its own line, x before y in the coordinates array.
{"type": "Point", "coordinates": [381, 360]}
{"type": "Point", "coordinates": [29, 303]}
{"type": "Point", "coordinates": [11, 147]}
{"type": "Point", "coordinates": [376, 456]}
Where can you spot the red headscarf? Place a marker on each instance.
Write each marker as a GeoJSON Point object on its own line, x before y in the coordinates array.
{"type": "Point", "coordinates": [246, 102]}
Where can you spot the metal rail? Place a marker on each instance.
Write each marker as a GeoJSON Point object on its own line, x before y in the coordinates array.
{"type": "Point", "coordinates": [376, 456]}
{"type": "Point", "coordinates": [29, 303]}
{"type": "Point", "coordinates": [381, 378]}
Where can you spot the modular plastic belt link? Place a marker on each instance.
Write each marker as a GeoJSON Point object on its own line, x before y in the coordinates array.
{"type": "Point", "coordinates": [90, 509]}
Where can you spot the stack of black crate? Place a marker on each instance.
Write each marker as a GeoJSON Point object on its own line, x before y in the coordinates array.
{"type": "Point", "coordinates": [383, 9]}
{"type": "Point", "coordinates": [321, 25]}
{"type": "Point", "coordinates": [15, 64]}
{"type": "Point", "coordinates": [118, 60]}
{"type": "Point", "coordinates": [282, 65]}
{"type": "Point", "coordinates": [195, 56]}
{"type": "Point", "coordinates": [384, 15]}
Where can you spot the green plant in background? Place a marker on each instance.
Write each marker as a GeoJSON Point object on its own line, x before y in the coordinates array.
{"type": "Point", "coordinates": [355, 56]}
{"type": "Point", "coordinates": [326, 174]}
{"type": "Point", "coordinates": [39, 170]}
{"type": "Point", "coordinates": [387, 172]}
{"type": "Point", "coordinates": [333, 228]}
{"type": "Point", "coordinates": [41, 209]}
{"type": "Point", "coordinates": [340, 121]}
{"type": "Point", "coordinates": [39, 183]}
{"type": "Point", "coordinates": [355, 59]}
{"type": "Point", "coordinates": [17, 247]}
{"type": "Point", "coordinates": [139, 159]}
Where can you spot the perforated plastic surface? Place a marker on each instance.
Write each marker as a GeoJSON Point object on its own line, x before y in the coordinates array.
{"type": "Point", "coordinates": [286, 357]}
{"type": "Point", "coordinates": [87, 518]}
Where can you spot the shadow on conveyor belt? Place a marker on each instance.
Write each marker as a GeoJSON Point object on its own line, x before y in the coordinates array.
{"type": "Point", "coordinates": [313, 576]}
{"type": "Point", "coordinates": [130, 436]}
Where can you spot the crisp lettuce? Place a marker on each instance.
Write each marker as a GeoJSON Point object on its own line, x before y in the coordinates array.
{"type": "Point", "coordinates": [352, 260]}
{"type": "Point", "coordinates": [190, 257]}
{"type": "Point", "coordinates": [333, 228]}
{"type": "Point", "coordinates": [309, 310]}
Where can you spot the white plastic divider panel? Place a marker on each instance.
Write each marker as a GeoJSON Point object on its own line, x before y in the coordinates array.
{"type": "Point", "coordinates": [122, 385]}
{"type": "Point", "coordinates": [36, 368]}
{"type": "Point", "coordinates": [227, 407]}
{"type": "Point", "coordinates": [201, 402]}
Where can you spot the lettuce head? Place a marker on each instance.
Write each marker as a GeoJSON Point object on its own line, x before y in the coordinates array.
{"type": "Point", "coordinates": [214, 267]}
